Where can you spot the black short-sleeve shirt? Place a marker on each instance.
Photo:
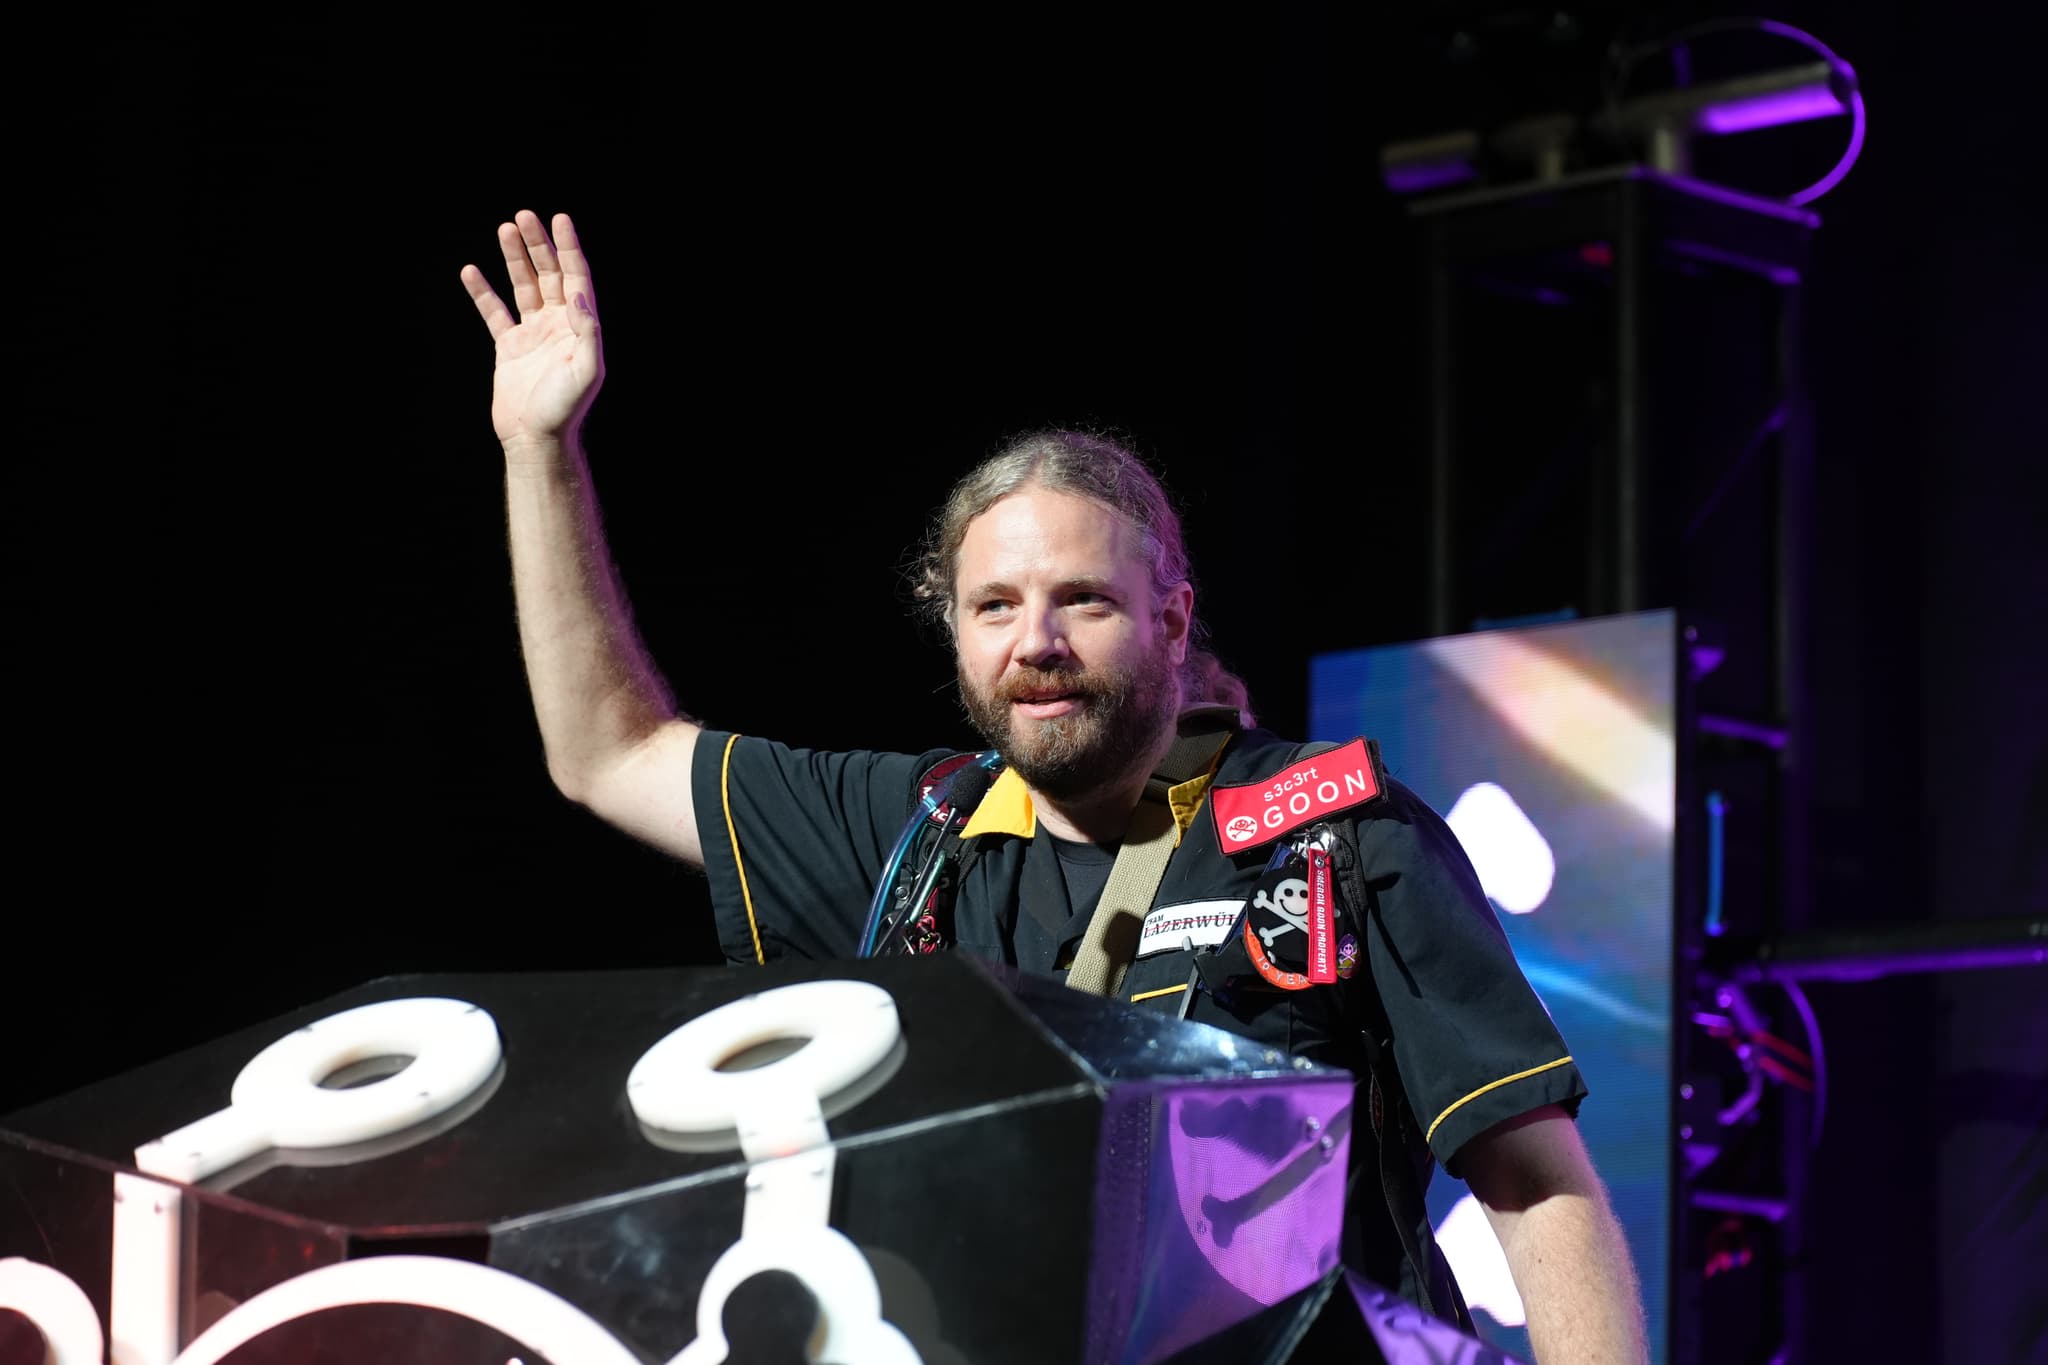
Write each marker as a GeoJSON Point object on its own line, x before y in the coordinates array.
{"type": "Point", "coordinates": [795, 841]}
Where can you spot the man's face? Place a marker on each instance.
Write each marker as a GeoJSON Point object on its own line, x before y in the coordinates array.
{"type": "Point", "coordinates": [1067, 664]}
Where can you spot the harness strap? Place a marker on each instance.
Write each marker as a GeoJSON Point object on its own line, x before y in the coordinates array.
{"type": "Point", "coordinates": [1111, 939]}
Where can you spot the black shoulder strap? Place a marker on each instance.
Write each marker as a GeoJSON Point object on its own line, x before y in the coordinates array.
{"type": "Point", "coordinates": [1405, 1161]}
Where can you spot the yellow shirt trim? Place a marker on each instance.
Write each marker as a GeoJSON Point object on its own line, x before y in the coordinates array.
{"type": "Point", "coordinates": [1186, 799]}
{"type": "Point", "coordinates": [1163, 990]}
{"type": "Point", "coordinates": [1494, 1085]}
{"type": "Point", "coordinates": [725, 800]}
{"type": "Point", "coordinates": [1007, 808]}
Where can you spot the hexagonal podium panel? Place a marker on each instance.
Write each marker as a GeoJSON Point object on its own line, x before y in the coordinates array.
{"type": "Point", "coordinates": [940, 1161]}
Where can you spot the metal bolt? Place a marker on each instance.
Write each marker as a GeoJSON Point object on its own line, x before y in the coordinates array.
{"type": "Point", "coordinates": [1313, 1124]}
{"type": "Point", "coordinates": [1685, 1131]}
{"type": "Point", "coordinates": [1685, 1092]}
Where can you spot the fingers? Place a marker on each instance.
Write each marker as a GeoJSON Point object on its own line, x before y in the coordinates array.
{"type": "Point", "coordinates": [495, 315]}
{"type": "Point", "coordinates": [525, 285]}
{"type": "Point", "coordinates": [539, 278]}
{"type": "Point", "coordinates": [575, 266]}
{"type": "Point", "coordinates": [546, 269]}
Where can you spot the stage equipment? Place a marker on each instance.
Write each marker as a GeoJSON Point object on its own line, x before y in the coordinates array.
{"type": "Point", "coordinates": [885, 1161]}
{"type": "Point", "coordinates": [1655, 128]}
{"type": "Point", "coordinates": [1617, 424]}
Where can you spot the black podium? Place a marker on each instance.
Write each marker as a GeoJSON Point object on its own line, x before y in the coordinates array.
{"type": "Point", "coordinates": [1017, 1173]}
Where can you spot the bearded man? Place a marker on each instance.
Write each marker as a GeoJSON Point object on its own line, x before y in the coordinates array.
{"type": "Point", "coordinates": [1058, 569]}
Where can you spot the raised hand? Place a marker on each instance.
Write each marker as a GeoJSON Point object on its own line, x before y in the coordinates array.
{"type": "Point", "coordinates": [551, 359]}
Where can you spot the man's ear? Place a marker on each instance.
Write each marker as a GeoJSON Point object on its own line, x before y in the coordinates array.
{"type": "Point", "coordinates": [1177, 618]}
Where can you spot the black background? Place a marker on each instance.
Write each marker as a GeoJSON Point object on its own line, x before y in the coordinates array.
{"type": "Point", "coordinates": [269, 729]}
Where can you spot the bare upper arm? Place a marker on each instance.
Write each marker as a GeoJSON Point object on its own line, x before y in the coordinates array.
{"type": "Point", "coordinates": [1569, 1256]}
{"type": "Point", "coordinates": [1522, 1161]}
{"type": "Point", "coordinates": [648, 793]}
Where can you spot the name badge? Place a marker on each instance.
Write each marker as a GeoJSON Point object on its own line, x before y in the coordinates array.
{"type": "Point", "coordinates": [1169, 927]}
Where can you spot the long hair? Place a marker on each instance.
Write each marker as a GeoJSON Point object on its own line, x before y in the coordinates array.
{"type": "Point", "coordinates": [1099, 469]}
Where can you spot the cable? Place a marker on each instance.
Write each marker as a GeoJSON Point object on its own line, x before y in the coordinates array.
{"type": "Point", "coordinates": [928, 805]}
{"type": "Point", "coordinates": [1820, 1056]}
{"type": "Point", "coordinates": [1855, 149]}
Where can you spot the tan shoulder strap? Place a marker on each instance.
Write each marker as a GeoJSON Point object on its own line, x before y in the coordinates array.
{"type": "Point", "coordinates": [1112, 939]}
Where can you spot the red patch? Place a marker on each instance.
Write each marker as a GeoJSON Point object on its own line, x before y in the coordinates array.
{"type": "Point", "coordinates": [1314, 789]}
{"type": "Point", "coordinates": [1322, 920]}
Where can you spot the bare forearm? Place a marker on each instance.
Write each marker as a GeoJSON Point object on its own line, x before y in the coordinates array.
{"type": "Point", "coordinates": [1578, 1285]}
{"type": "Point", "coordinates": [595, 691]}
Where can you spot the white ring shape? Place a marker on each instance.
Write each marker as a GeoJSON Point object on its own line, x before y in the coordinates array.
{"type": "Point", "coordinates": [832, 1268]}
{"type": "Point", "coordinates": [453, 1044]}
{"type": "Point", "coordinates": [543, 1322]}
{"type": "Point", "coordinates": [676, 1085]}
{"type": "Point", "coordinates": [56, 1305]}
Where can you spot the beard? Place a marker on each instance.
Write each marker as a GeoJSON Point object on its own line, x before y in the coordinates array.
{"type": "Point", "coordinates": [1118, 723]}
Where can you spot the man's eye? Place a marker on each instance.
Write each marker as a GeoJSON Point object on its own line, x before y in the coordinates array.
{"type": "Point", "coordinates": [991, 608]}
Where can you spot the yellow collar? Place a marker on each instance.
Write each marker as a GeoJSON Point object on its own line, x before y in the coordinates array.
{"type": "Point", "coordinates": [1007, 808]}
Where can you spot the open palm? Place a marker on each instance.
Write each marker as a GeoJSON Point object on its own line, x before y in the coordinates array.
{"type": "Point", "coordinates": [551, 358]}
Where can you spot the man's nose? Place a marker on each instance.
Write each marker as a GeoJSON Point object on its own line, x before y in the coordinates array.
{"type": "Point", "coordinates": [1042, 643]}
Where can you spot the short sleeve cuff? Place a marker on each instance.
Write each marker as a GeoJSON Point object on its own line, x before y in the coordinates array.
{"type": "Point", "coordinates": [732, 907]}
{"type": "Point", "coordinates": [1557, 1082]}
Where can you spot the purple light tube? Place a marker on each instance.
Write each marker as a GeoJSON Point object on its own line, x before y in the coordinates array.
{"type": "Point", "coordinates": [1775, 736]}
{"type": "Point", "coordinates": [1413, 177]}
{"type": "Point", "coordinates": [1749, 112]}
{"type": "Point", "coordinates": [1753, 1205]}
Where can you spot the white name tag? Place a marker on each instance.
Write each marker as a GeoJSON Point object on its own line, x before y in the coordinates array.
{"type": "Point", "coordinates": [1170, 926]}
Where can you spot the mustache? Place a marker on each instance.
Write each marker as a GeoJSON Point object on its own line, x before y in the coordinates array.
{"type": "Point", "coordinates": [1032, 682]}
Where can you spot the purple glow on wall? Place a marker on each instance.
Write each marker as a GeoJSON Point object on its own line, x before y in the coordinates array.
{"type": "Point", "coordinates": [1770, 110]}
{"type": "Point", "coordinates": [1413, 177]}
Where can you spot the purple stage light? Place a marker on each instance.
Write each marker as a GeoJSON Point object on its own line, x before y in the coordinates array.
{"type": "Point", "coordinates": [1414, 177]}
{"type": "Point", "coordinates": [1775, 736]}
{"type": "Point", "coordinates": [1769, 110]}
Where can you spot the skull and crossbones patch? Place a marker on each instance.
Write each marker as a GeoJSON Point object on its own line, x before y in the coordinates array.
{"type": "Point", "coordinates": [1290, 922]}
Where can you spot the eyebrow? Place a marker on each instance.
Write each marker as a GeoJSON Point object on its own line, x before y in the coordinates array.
{"type": "Point", "coordinates": [1080, 583]}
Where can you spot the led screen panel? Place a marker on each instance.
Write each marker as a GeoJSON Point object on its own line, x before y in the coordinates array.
{"type": "Point", "coordinates": [1550, 752]}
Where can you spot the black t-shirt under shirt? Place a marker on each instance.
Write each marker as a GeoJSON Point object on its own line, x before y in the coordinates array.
{"type": "Point", "coordinates": [1084, 871]}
